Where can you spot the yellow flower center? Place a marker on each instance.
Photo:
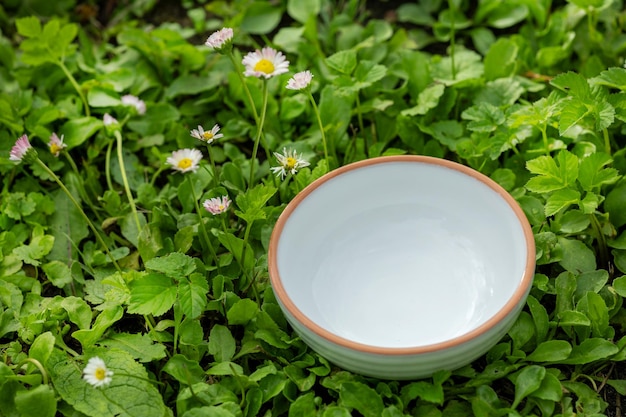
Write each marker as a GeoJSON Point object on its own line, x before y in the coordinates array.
{"type": "Point", "coordinates": [55, 149]}
{"type": "Point", "coordinates": [100, 374]}
{"type": "Point", "coordinates": [207, 135]}
{"type": "Point", "coordinates": [185, 163]}
{"type": "Point", "coordinates": [221, 207]}
{"type": "Point", "coordinates": [290, 163]}
{"type": "Point", "coordinates": [264, 65]}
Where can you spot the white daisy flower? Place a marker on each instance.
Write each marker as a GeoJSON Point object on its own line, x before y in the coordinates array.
{"type": "Point", "coordinates": [300, 80]}
{"type": "Point", "coordinates": [56, 145]}
{"type": "Point", "coordinates": [217, 205]}
{"type": "Point", "coordinates": [134, 101]}
{"type": "Point", "coordinates": [265, 63]}
{"type": "Point", "coordinates": [289, 162]}
{"type": "Point", "coordinates": [96, 373]}
{"type": "Point", "coordinates": [207, 136]}
{"type": "Point", "coordinates": [219, 41]}
{"type": "Point", "coordinates": [185, 160]}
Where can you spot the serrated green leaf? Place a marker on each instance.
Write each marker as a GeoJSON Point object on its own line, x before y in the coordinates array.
{"type": "Point", "coordinates": [139, 346]}
{"type": "Point", "coordinates": [192, 295]}
{"type": "Point", "coordinates": [426, 391]}
{"type": "Point", "coordinates": [175, 265]}
{"type": "Point", "coordinates": [130, 393]}
{"type": "Point", "coordinates": [613, 77]}
{"type": "Point", "coordinates": [561, 199]}
{"type": "Point", "coordinates": [573, 84]}
{"type": "Point", "coordinates": [343, 61]}
{"type": "Point", "coordinates": [592, 174]}
{"type": "Point", "coordinates": [28, 26]}
{"type": "Point", "coordinates": [39, 246]}
{"type": "Point", "coordinates": [362, 398]}
{"type": "Point", "coordinates": [58, 273]}
{"type": "Point", "coordinates": [151, 293]}
{"type": "Point", "coordinates": [554, 174]}
{"type": "Point", "coordinates": [427, 99]}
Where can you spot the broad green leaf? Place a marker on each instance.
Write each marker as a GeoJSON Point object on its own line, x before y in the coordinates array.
{"type": "Point", "coordinates": [58, 273]}
{"type": "Point", "coordinates": [192, 293]}
{"type": "Point", "coordinates": [42, 347]}
{"type": "Point", "coordinates": [501, 59]}
{"type": "Point", "coordinates": [574, 221]}
{"type": "Point", "coordinates": [367, 73]}
{"type": "Point", "coordinates": [39, 246]}
{"type": "Point", "coordinates": [88, 337]}
{"type": "Point", "coordinates": [615, 205]}
{"type": "Point", "coordinates": [483, 117]}
{"type": "Point", "coordinates": [303, 406]}
{"type": "Point", "coordinates": [185, 371]}
{"type": "Point", "coordinates": [551, 351]}
{"type": "Point", "coordinates": [225, 368]}
{"type": "Point", "coordinates": [252, 202]}
{"type": "Point", "coordinates": [192, 84]}
{"type": "Point", "coordinates": [554, 174]}
{"type": "Point", "coordinates": [303, 10]}
{"type": "Point", "coordinates": [29, 27]}
{"type": "Point", "coordinates": [78, 311]}
{"type": "Point", "coordinates": [573, 84]}
{"type": "Point", "coordinates": [426, 391]}
{"type": "Point", "coordinates": [335, 411]}
{"type": "Point", "coordinates": [304, 380]}
{"type": "Point", "coordinates": [486, 402]}
{"type": "Point", "coordinates": [130, 393]}
{"type": "Point", "coordinates": [152, 293]}
{"type": "Point", "coordinates": [561, 199]}
{"type": "Point", "coordinates": [551, 389]}
{"type": "Point", "coordinates": [577, 257]}
{"type": "Point", "coordinates": [590, 350]}
{"type": "Point", "coordinates": [221, 343]}
{"type": "Point", "coordinates": [573, 318]}
{"type": "Point", "coordinates": [594, 307]}
{"type": "Point", "coordinates": [343, 61]}
{"type": "Point", "coordinates": [36, 402]}
{"type": "Point", "coordinates": [619, 285]}
{"type": "Point", "coordinates": [613, 77]}
{"type": "Point", "coordinates": [522, 330]}
{"type": "Point", "coordinates": [260, 18]}
{"type": "Point", "coordinates": [427, 99]}
{"type": "Point", "coordinates": [139, 346]}
{"type": "Point", "coordinates": [540, 318]}
{"type": "Point", "coordinates": [175, 265]}
{"type": "Point", "coordinates": [468, 67]}
{"type": "Point", "coordinates": [527, 382]}
{"type": "Point", "coordinates": [362, 398]}
{"type": "Point", "coordinates": [77, 130]}
{"type": "Point", "coordinates": [242, 312]}
{"type": "Point", "coordinates": [99, 96]}
{"type": "Point", "coordinates": [235, 246]}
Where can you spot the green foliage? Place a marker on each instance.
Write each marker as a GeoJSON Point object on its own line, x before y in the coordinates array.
{"type": "Point", "coordinates": [176, 300]}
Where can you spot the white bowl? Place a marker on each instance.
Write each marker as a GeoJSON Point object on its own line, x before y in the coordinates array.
{"type": "Point", "coordinates": [397, 267]}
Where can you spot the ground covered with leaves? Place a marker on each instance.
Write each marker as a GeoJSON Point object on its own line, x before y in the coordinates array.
{"type": "Point", "coordinates": [147, 150]}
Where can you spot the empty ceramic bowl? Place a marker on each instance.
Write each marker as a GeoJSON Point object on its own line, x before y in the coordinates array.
{"type": "Point", "coordinates": [397, 267]}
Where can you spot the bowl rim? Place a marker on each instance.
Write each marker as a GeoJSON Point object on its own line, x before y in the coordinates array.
{"type": "Point", "coordinates": [519, 295]}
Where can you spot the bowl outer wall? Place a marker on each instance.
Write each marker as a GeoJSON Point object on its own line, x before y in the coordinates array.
{"type": "Point", "coordinates": [303, 324]}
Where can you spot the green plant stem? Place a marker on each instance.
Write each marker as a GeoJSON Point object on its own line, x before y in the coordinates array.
{"type": "Point", "coordinates": [69, 75]}
{"type": "Point", "coordinates": [452, 39]}
{"type": "Point", "coordinates": [39, 366]}
{"type": "Point", "coordinates": [129, 194]}
{"type": "Point", "coordinates": [107, 166]}
{"type": "Point", "coordinates": [321, 127]}
{"type": "Point", "coordinates": [80, 209]}
{"type": "Point", "coordinates": [544, 136]}
{"type": "Point", "coordinates": [607, 141]}
{"type": "Point", "coordinates": [257, 140]}
{"type": "Point", "coordinates": [245, 87]}
{"type": "Point", "coordinates": [602, 246]}
{"type": "Point", "coordinates": [205, 234]}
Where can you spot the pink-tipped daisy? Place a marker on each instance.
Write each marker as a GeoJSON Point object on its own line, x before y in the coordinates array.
{"type": "Point", "coordinates": [207, 136]}
{"type": "Point", "coordinates": [217, 205]}
{"type": "Point", "coordinates": [134, 101]}
{"type": "Point", "coordinates": [20, 150]}
{"type": "Point", "coordinates": [56, 144]}
{"type": "Point", "coordinates": [289, 162]}
{"type": "Point", "coordinates": [221, 40]}
{"type": "Point", "coordinates": [265, 63]}
{"type": "Point", "coordinates": [185, 160]}
{"type": "Point", "coordinates": [300, 80]}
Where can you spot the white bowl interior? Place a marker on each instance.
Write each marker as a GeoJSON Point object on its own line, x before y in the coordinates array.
{"type": "Point", "coordinates": [401, 254]}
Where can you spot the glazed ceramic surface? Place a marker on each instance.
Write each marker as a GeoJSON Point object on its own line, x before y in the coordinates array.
{"type": "Point", "coordinates": [396, 267]}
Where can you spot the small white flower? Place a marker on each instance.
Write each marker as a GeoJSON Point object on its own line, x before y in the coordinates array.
{"type": "Point", "coordinates": [56, 145]}
{"type": "Point", "coordinates": [220, 40]}
{"type": "Point", "coordinates": [207, 136]}
{"type": "Point", "coordinates": [185, 160]}
{"type": "Point", "coordinates": [300, 80]}
{"type": "Point", "coordinates": [20, 149]}
{"type": "Point", "coordinates": [265, 63]}
{"type": "Point", "coordinates": [109, 120]}
{"type": "Point", "coordinates": [217, 205]}
{"type": "Point", "coordinates": [96, 373]}
{"type": "Point", "coordinates": [289, 162]}
{"type": "Point", "coordinates": [134, 101]}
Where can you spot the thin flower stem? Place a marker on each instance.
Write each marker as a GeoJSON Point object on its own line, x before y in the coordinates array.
{"type": "Point", "coordinates": [107, 166]}
{"type": "Point", "coordinates": [245, 87]}
{"type": "Point", "coordinates": [257, 140]}
{"type": "Point", "coordinates": [129, 194]}
{"type": "Point", "coordinates": [321, 126]}
{"type": "Point", "coordinates": [607, 141]}
{"type": "Point", "coordinates": [39, 366]}
{"type": "Point", "coordinates": [205, 234]}
{"type": "Point", "coordinates": [69, 75]}
{"type": "Point", "coordinates": [80, 209]}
